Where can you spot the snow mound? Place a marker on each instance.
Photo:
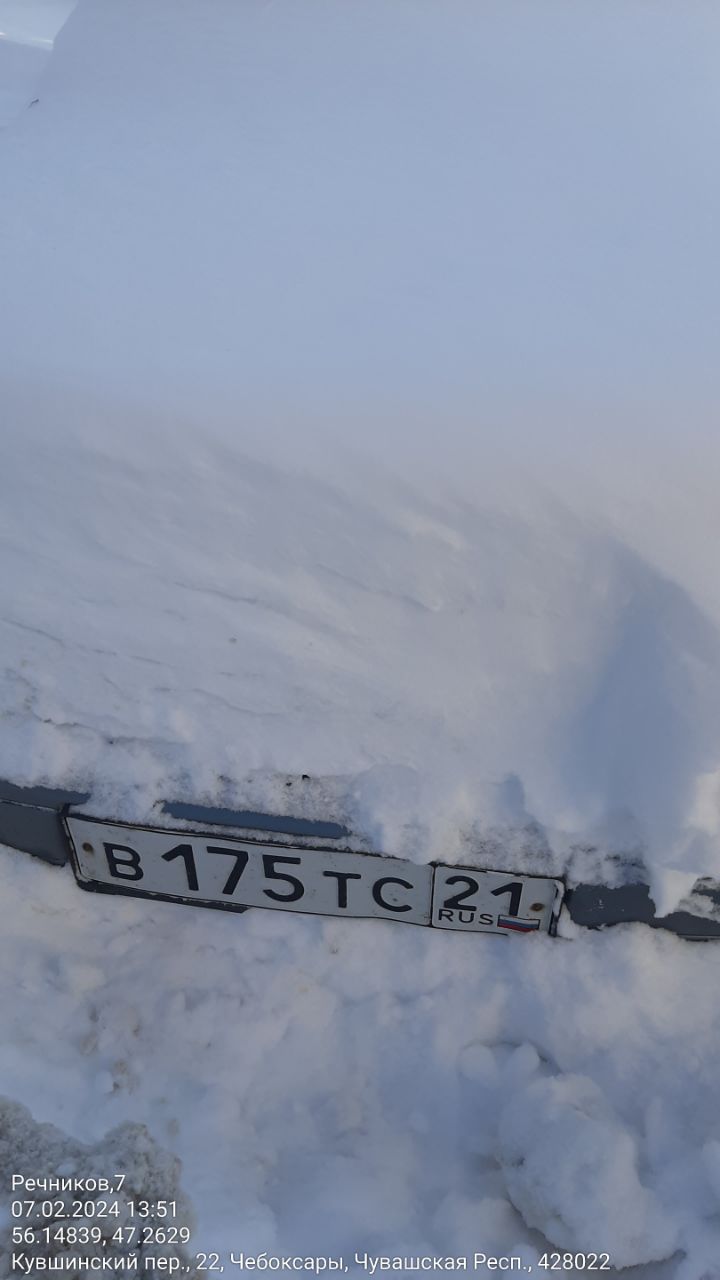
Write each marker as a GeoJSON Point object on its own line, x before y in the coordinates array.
{"type": "Point", "coordinates": [571, 1169]}
{"type": "Point", "coordinates": [492, 679]}
{"type": "Point", "coordinates": [329, 1088]}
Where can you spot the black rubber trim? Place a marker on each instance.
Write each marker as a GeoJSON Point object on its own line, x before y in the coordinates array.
{"type": "Point", "coordinates": [596, 906]}
{"type": "Point", "coordinates": [41, 797]}
{"type": "Point", "coordinates": [253, 821]}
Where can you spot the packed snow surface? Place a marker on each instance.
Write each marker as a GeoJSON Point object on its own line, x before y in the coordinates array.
{"type": "Point", "coordinates": [335, 1086]}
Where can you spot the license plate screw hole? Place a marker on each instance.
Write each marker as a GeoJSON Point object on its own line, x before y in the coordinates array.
{"type": "Point", "coordinates": [536, 906]}
{"type": "Point", "coordinates": [87, 847]}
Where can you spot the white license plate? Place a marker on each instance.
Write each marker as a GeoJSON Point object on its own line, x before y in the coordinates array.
{"type": "Point", "coordinates": [494, 901]}
{"type": "Point", "coordinates": [214, 871]}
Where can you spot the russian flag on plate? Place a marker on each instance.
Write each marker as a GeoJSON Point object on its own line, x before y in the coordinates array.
{"type": "Point", "coordinates": [518, 923]}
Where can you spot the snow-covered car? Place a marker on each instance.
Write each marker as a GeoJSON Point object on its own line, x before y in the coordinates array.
{"type": "Point", "coordinates": [297, 558]}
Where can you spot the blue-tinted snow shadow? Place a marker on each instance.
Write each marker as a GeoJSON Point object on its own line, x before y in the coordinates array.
{"type": "Point", "coordinates": [650, 723]}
